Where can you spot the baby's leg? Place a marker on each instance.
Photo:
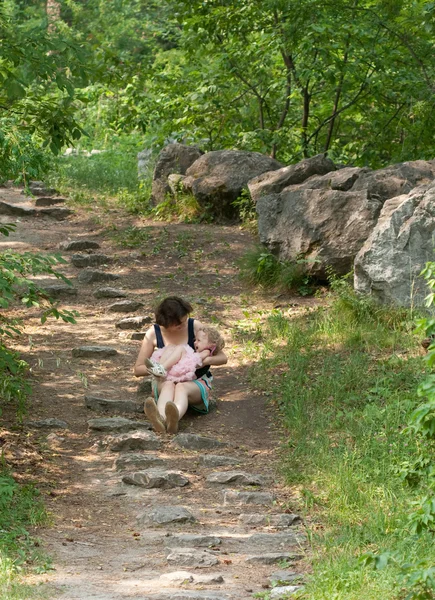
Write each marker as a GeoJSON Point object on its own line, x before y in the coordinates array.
{"type": "Point", "coordinates": [171, 355]}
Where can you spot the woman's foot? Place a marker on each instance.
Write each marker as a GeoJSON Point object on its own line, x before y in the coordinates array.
{"type": "Point", "coordinates": [172, 417]}
{"type": "Point", "coordinates": [153, 416]}
{"type": "Point", "coordinates": [155, 368]}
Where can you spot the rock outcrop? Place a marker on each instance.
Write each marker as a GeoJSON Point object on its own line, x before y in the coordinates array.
{"type": "Point", "coordinates": [174, 158]}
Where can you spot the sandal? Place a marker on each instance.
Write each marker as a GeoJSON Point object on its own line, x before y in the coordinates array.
{"type": "Point", "coordinates": [155, 368]}
{"type": "Point", "coordinates": [153, 416]}
{"type": "Point", "coordinates": [172, 417]}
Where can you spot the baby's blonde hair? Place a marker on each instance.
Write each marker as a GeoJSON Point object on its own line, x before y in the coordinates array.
{"type": "Point", "coordinates": [215, 338]}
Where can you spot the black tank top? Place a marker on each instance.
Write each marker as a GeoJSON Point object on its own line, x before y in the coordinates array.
{"type": "Point", "coordinates": [190, 340]}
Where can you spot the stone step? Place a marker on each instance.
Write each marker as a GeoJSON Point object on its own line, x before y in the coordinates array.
{"type": "Point", "coordinates": [109, 292]}
{"type": "Point", "coordinates": [240, 498]}
{"type": "Point", "coordinates": [156, 478]}
{"type": "Point", "coordinates": [77, 245]}
{"type": "Point", "coordinates": [214, 460]}
{"type": "Point", "coordinates": [125, 306]}
{"type": "Point", "coordinates": [191, 540]}
{"type": "Point", "coordinates": [166, 515]}
{"type": "Point", "coordinates": [238, 477]}
{"type": "Point", "coordinates": [95, 276]}
{"type": "Point", "coordinates": [94, 352]}
{"type": "Point", "coordinates": [137, 440]}
{"type": "Point", "coordinates": [268, 520]}
{"type": "Point", "coordinates": [135, 461]}
{"type": "Point", "coordinates": [118, 424]}
{"type": "Point", "coordinates": [192, 441]}
{"type": "Point", "coordinates": [133, 322]}
{"type": "Point", "coordinates": [59, 213]}
{"type": "Point", "coordinates": [59, 290]}
{"type": "Point", "coordinates": [114, 406]}
{"type": "Point", "coordinates": [49, 200]}
{"type": "Point", "coordinates": [90, 260]}
{"type": "Point", "coordinates": [191, 557]}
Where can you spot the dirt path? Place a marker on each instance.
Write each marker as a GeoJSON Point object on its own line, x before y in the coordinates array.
{"type": "Point", "coordinates": [103, 539]}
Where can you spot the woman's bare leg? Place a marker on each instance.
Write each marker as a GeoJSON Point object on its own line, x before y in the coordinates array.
{"type": "Point", "coordinates": [166, 391]}
{"type": "Point", "coordinates": [186, 393]}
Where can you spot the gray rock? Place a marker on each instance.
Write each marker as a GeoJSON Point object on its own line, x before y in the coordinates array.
{"type": "Point", "coordinates": [125, 306]}
{"type": "Point", "coordinates": [137, 461]}
{"type": "Point", "coordinates": [91, 276]}
{"type": "Point", "coordinates": [285, 576]}
{"type": "Point", "coordinates": [133, 322]}
{"type": "Point", "coordinates": [165, 515]}
{"type": "Point", "coordinates": [138, 440]}
{"type": "Point", "coordinates": [109, 292]}
{"type": "Point", "coordinates": [281, 521]}
{"type": "Point", "coordinates": [213, 460]}
{"type": "Point", "coordinates": [282, 592]}
{"type": "Point", "coordinates": [388, 265]}
{"type": "Point", "coordinates": [185, 576]}
{"type": "Point", "coordinates": [174, 158]}
{"type": "Point", "coordinates": [105, 404]}
{"type": "Point", "coordinates": [48, 201]}
{"type": "Point", "coordinates": [77, 245]}
{"type": "Point", "coordinates": [48, 424]}
{"type": "Point", "coordinates": [275, 541]}
{"type": "Point", "coordinates": [239, 498]}
{"type": "Point", "coordinates": [156, 478]}
{"type": "Point", "coordinates": [191, 441]}
{"type": "Point", "coordinates": [270, 558]}
{"type": "Point", "coordinates": [38, 188]}
{"type": "Point", "coordinates": [58, 290]}
{"type": "Point", "coordinates": [94, 352]}
{"type": "Point", "coordinates": [217, 178]}
{"type": "Point", "coordinates": [59, 213]}
{"type": "Point", "coordinates": [273, 182]}
{"type": "Point", "coordinates": [225, 477]}
{"type": "Point", "coordinates": [145, 387]}
{"type": "Point", "coordinates": [118, 424]}
{"type": "Point", "coordinates": [190, 540]}
{"type": "Point", "coordinates": [189, 557]}
{"type": "Point", "coordinates": [189, 595]}
{"type": "Point", "coordinates": [138, 335]}
{"type": "Point", "coordinates": [89, 260]}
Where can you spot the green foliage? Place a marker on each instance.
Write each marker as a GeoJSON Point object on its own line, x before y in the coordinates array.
{"type": "Point", "coordinates": [260, 267]}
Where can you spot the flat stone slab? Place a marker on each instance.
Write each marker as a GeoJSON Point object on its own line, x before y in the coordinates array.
{"type": "Point", "coordinates": [137, 461]}
{"type": "Point", "coordinates": [281, 592]}
{"type": "Point", "coordinates": [240, 477]}
{"type": "Point", "coordinates": [57, 290]}
{"type": "Point", "coordinates": [138, 335]}
{"type": "Point", "coordinates": [191, 540]}
{"type": "Point", "coordinates": [275, 540]}
{"type": "Point", "coordinates": [270, 558]}
{"type": "Point", "coordinates": [189, 595]}
{"type": "Point", "coordinates": [48, 201]}
{"type": "Point", "coordinates": [125, 306]}
{"type": "Point", "coordinates": [89, 260]}
{"type": "Point", "coordinates": [239, 498]}
{"type": "Point", "coordinates": [109, 292]}
{"type": "Point", "coordinates": [77, 245]}
{"type": "Point", "coordinates": [39, 189]}
{"type": "Point", "coordinates": [57, 212]}
{"type": "Point", "coordinates": [118, 424]}
{"type": "Point", "coordinates": [133, 322]}
{"type": "Point", "coordinates": [156, 478]}
{"type": "Point", "coordinates": [165, 515]}
{"type": "Point", "coordinates": [187, 577]}
{"type": "Point", "coordinates": [191, 441]}
{"type": "Point", "coordinates": [139, 440]}
{"type": "Point", "coordinates": [190, 557]}
{"type": "Point", "coordinates": [279, 521]}
{"type": "Point", "coordinates": [48, 424]}
{"type": "Point", "coordinates": [91, 276]}
{"type": "Point", "coordinates": [213, 460]}
{"type": "Point", "coordinates": [285, 576]}
{"type": "Point", "coordinates": [105, 404]}
{"type": "Point", "coordinates": [94, 352]}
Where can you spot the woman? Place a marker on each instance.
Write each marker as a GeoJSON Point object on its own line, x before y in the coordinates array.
{"type": "Point", "coordinates": [173, 326]}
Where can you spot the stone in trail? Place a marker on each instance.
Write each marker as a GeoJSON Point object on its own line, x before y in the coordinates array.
{"type": "Point", "coordinates": [270, 558]}
{"type": "Point", "coordinates": [48, 424]}
{"type": "Point", "coordinates": [89, 260]}
{"type": "Point", "coordinates": [57, 290]}
{"type": "Point", "coordinates": [125, 306]}
{"type": "Point", "coordinates": [285, 576]}
{"type": "Point", "coordinates": [191, 540]}
{"type": "Point", "coordinates": [137, 335]}
{"type": "Point", "coordinates": [138, 440]}
{"type": "Point", "coordinates": [186, 576]}
{"type": "Point", "coordinates": [137, 461]}
{"type": "Point", "coordinates": [156, 478]}
{"type": "Point", "coordinates": [94, 352]}
{"type": "Point", "coordinates": [190, 557]}
{"type": "Point", "coordinates": [38, 188]}
{"type": "Point", "coordinates": [77, 245]}
{"type": "Point", "coordinates": [189, 595]}
{"type": "Point", "coordinates": [109, 292]}
{"type": "Point", "coordinates": [56, 212]}
{"type": "Point", "coordinates": [118, 424]}
{"type": "Point", "coordinates": [106, 404]}
{"type": "Point", "coordinates": [275, 540]}
{"type": "Point", "coordinates": [239, 498]}
{"type": "Point", "coordinates": [91, 276]}
{"type": "Point", "coordinates": [48, 201]}
{"type": "Point", "coordinates": [133, 322]}
{"type": "Point", "coordinates": [165, 515]}
{"type": "Point", "coordinates": [280, 521]}
{"type": "Point", "coordinates": [191, 441]}
{"type": "Point", "coordinates": [213, 460]}
{"type": "Point", "coordinates": [226, 477]}
{"type": "Point", "coordinates": [284, 591]}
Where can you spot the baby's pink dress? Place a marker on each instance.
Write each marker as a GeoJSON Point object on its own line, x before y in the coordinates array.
{"type": "Point", "coordinates": [184, 369]}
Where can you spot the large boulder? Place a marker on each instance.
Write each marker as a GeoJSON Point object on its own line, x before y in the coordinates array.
{"type": "Point", "coordinates": [390, 261]}
{"type": "Point", "coordinates": [174, 158]}
{"type": "Point", "coordinates": [327, 218]}
{"type": "Point", "coordinates": [217, 178]}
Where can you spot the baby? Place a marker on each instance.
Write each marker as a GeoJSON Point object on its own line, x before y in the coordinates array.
{"type": "Point", "coordinates": [179, 363]}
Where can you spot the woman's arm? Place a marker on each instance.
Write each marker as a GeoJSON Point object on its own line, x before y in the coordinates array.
{"type": "Point", "coordinates": [145, 351]}
{"type": "Point", "coordinates": [215, 359]}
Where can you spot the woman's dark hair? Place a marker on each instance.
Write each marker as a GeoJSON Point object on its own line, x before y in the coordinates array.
{"type": "Point", "coordinates": [171, 310]}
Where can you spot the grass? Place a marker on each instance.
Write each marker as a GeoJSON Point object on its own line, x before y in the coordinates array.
{"type": "Point", "coordinates": [344, 380]}
{"type": "Point", "coordinates": [20, 508]}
